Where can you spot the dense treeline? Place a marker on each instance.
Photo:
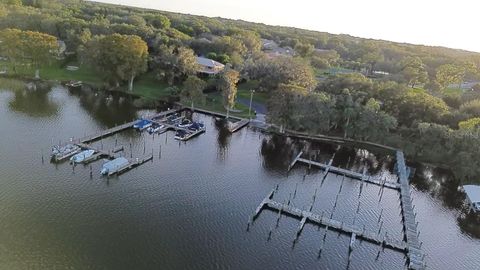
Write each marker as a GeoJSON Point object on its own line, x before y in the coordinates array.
{"type": "Point", "coordinates": [393, 93]}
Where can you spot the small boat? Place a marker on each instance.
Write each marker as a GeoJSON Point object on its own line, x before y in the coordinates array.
{"type": "Point", "coordinates": [155, 128]}
{"type": "Point", "coordinates": [196, 126]}
{"type": "Point", "coordinates": [142, 124]}
{"type": "Point", "coordinates": [184, 124]}
{"type": "Point", "coordinates": [181, 135]}
{"type": "Point", "coordinates": [114, 165]}
{"type": "Point", "coordinates": [80, 157]}
{"type": "Point", "coordinates": [63, 152]}
{"type": "Point", "coordinates": [173, 119]}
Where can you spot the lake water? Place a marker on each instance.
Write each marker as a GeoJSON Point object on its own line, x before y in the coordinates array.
{"type": "Point", "coordinates": [189, 207]}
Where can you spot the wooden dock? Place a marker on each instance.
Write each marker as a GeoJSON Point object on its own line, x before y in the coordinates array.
{"type": "Point", "coordinates": [99, 153]}
{"type": "Point", "coordinates": [116, 129]}
{"type": "Point", "coordinates": [238, 125]}
{"type": "Point", "coordinates": [135, 162]}
{"type": "Point", "coordinates": [322, 220]}
{"type": "Point", "coordinates": [354, 175]}
{"type": "Point", "coordinates": [415, 255]}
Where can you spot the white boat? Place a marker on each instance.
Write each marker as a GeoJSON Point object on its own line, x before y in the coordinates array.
{"type": "Point", "coordinates": [114, 165]}
{"type": "Point", "coordinates": [185, 123]}
{"type": "Point", "coordinates": [60, 153]}
{"type": "Point", "coordinates": [155, 128]}
{"type": "Point", "coordinates": [80, 157]}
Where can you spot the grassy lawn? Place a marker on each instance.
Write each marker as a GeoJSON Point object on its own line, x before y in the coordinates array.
{"type": "Point", "coordinates": [148, 87]}
{"type": "Point", "coordinates": [244, 92]}
{"type": "Point", "coordinates": [55, 72]}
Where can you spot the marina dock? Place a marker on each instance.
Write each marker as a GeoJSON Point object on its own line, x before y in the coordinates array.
{"type": "Point", "coordinates": [410, 244]}
{"type": "Point", "coordinates": [415, 254]}
{"type": "Point", "coordinates": [322, 220]}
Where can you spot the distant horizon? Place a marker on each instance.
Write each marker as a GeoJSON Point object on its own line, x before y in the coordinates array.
{"type": "Point", "coordinates": [446, 28]}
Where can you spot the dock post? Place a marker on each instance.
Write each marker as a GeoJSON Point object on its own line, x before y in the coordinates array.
{"type": "Point", "coordinates": [295, 191]}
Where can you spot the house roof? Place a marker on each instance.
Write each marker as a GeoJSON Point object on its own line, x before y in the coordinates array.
{"type": "Point", "coordinates": [209, 62]}
{"type": "Point", "coordinates": [473, 192]}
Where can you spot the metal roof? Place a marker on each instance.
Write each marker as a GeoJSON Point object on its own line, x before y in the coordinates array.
{"type": "Point", "coordinates": [208, 62]}
{"type": "Point", "coordinates": [473, 192]}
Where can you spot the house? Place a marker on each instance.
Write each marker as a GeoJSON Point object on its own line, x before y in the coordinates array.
{"type": "Point", "coordinates": [209, 66]}
{"type": "Point", "coordinates": [272, 49]}
{"type": "Point", "coordinates": [473, 196]}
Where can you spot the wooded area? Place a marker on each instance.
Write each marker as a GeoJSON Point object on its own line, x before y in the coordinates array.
{"type": "Point", "coordinates": [425, 100]}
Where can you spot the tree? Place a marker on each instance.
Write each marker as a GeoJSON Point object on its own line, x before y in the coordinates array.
{"type": "Point", "coordinates": [304, 49]}
{"type": "Point", "coordinates": [193, 90]}
{"type": "Point", "coordinates": [13, 2]}
{"type": "Point", "coordinates": [470, 124]}
{"type": "Point", "coordinates": [472, 108]}
{"type": "Point", "coordinates": [227, 84]}
{"type": "Point", "coordinates": [35, 47]}
{"type": "Point", "coordinates": [282, 107]}
{"type": "Point", "coordinates": [120, 57]}
{"type": "Point", "coordinates": [175, 63]}
{"type": "Point", "coordinates": [369, 54]}
{"type": "Point", "coordinates": [413, 70]}
{"type": "Point", "coordinates": [449, 74]}
{"type": "Point", "coordinates": [282, 70]}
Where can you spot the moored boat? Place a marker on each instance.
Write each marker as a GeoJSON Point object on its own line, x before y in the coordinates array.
{"type": "Point", "coordinates": [184, 124]}
{"type": "Point", "coordinates": [80, 157]}
{"type": "Point", "coordinates": [142, 124]}
{"type": "Point", "coordinates": [60, 153]}
{"type": "Point", "coordinates": [112, 166]}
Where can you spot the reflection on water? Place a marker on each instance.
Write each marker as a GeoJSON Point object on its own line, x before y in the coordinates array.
{"type": "Point", "coordinates": [105, 108]}
{"type": "Point", "coordinates": [223, 138]}
{"type": "Point", "coordinates": [277, 152]}
{"type": "Point", "coordinates": [34, 103]}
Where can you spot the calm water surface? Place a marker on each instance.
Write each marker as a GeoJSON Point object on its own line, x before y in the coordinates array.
{"type": "Point", "coordinates": [188, 209]}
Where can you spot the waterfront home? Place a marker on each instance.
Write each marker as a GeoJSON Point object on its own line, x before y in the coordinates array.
{"type": "Point", "coordinates": [209, 66]}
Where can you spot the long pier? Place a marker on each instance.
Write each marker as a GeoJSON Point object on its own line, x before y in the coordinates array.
{"type": "Point", "coordinates": [354, 175]}
{"type": "Point", "coordinates": [321, 220]}
{"type": "Point", "coordinates": [116, 129]}
{"type": "Point", "coordinates": [415, 255]}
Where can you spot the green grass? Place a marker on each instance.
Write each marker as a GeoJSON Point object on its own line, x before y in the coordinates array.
{"type": "Point", "coordinates": [56, 72]}
{"type": "Point", "coordinates": [148, 87]}
{"type": "Point", "coordinates": [244, 92]}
